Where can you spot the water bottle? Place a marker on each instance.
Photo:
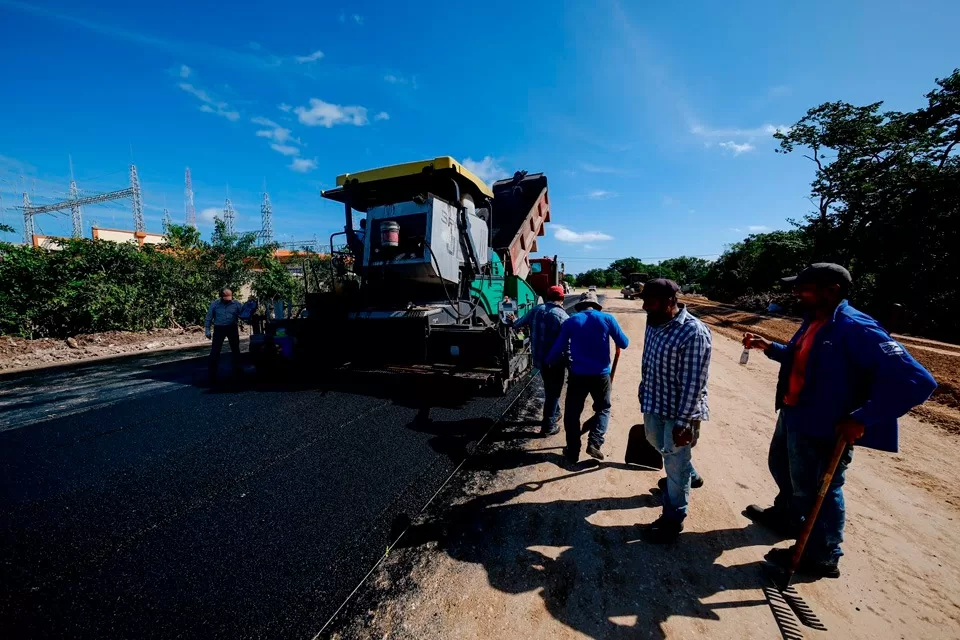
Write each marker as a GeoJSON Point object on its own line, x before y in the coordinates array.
{"type": "Point", "coordinates": [745, 356]}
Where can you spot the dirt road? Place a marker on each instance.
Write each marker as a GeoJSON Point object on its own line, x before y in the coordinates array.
{"type": "Point", "coordinates": [532, 550]}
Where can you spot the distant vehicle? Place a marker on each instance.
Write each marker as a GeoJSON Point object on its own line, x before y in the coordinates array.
{"type": "Point", "coordinates": [593, 288]}
{"type": "Point", "coordinates": [635, 288]}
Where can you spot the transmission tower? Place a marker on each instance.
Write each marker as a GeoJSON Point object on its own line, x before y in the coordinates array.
{"type": "Point", "coordinates": [137, 202]}
{"type": "Point", "coordinates": [188, 200]}
{"type": "Point", "coordinates": [27, 220]}
{"type": "Point", "coordinates": [229, 217]}
{"type": "Point", "coordinates": [266, 219]}
{"type": "Point", "coordinates": [75, 202]}
{"type": "Point", "coordinates": [76, 214]}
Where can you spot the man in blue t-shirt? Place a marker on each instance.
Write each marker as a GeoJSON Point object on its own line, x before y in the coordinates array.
{"type": "Point", "coordinates": [588, 334]}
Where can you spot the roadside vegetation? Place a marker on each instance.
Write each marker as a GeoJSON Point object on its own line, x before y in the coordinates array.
{"type": "Point", "coordinates": [94, 285]}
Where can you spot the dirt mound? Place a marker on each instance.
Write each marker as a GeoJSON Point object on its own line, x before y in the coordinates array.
{"type": "Point", "coordinates": [17, 353]}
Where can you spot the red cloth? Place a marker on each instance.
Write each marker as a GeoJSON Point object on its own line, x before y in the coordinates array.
{"type": "Point", "coordinates": [801, 355]}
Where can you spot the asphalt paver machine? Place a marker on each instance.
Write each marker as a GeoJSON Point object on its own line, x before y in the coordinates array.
{"type": "Point", "coordinates": [438, 267]}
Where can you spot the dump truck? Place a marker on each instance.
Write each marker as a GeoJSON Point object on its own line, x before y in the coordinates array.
{"type": "Point", "coordinates": [544, 273]}
{"type": "Point", "coordinates": [439, 267]}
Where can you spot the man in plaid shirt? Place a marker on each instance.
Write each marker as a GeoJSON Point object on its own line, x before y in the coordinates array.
{"type": "Point", "coordinates": [673, 396]}
{"type": "Point", "coordinates": [545, 320]}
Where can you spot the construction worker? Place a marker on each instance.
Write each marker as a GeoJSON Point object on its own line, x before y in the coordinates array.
{"type": "Point", "coordinates": [587, 335]}
{"type": "Point", "coordinates": [223, 315]}
{"type": "Point", "coordinates": [673, 398]}
{"type": "Point", "coordinates": [841, 377]}
{"type": "Point", "coordinates": [545, 321]}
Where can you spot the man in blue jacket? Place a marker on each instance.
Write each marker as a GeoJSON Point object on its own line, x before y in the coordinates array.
{"type": "Point", "coordinates": [841, 376]}
{"type": "Point", "coordinates": [588, 334]}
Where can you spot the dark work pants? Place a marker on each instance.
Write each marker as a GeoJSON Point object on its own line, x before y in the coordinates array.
{"type": "Point", "coordinates": [798, 463]}
{"type": "Point", "coordinates": [232, 334]}
{"type": "Point", "coordinates": [553, 377]}
{"type": "Point", "coordinates": [578, 388]}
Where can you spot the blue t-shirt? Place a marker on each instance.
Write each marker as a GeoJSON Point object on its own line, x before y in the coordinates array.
{"type": "Point", "coordinates": [588, 334]}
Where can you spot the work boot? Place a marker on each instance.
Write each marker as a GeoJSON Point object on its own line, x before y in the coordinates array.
{"type": "Point", "coordinates": [695, 483]}
{"type": "Point", "coordinates": [772, 518]}
{"type": "Point", "coordinates": [548, 431]}
{"type": "Point", "coordinates": [662, 530]}
{"type": "Point", "coordinates": [572, 457]}
{"type": "Point", "coordinates": [594, 452]}
{"type": "Point", "coordinates": [808, 566]}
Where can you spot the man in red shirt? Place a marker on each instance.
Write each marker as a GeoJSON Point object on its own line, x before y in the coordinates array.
{"type": "Point", "coordinates": [841, 376]}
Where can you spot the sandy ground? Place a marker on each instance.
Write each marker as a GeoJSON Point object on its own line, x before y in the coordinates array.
{"type": "Point", "coordinates": [533, 550]}
{"type": "Point", "coordinates": [17, 354]}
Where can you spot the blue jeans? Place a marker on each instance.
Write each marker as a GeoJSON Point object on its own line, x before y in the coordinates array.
{"type": "Point", "coordinates": [552, 386]}
{"type": "Point", "coordinates": [798, 462]}
{"type": "Point", "coordinates": [578, 388]}
{"type": "Point", "coordinates": [677, 462]}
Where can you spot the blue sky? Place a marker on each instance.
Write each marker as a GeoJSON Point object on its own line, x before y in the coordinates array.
{"type": "Point", "coordinates": [651, 121]}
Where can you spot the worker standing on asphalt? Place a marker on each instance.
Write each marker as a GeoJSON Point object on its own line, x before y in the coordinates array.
{"type": "Point", "coordinates": [545, 321]}
{"type": "Point", "coordinates": [587, 334]}
{"type": "Point", "coordinates": [673, 397]}
{"type": "Point", "coordinates": [224, 315]}
{"type": "Point", "coordinates": [841, 376]}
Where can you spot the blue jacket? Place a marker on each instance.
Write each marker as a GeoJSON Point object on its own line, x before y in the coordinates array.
{"type": "Point", "coordinates": [588, 333]}
{"type": "Point", "coordinates": [855, 369]}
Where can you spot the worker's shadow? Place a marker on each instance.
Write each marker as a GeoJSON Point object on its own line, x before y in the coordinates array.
{"type": "Point", "coordinates": [599, 579]}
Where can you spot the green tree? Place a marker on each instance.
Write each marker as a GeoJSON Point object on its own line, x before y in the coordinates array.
{"type": "Point", "coordinates": [686, 270]}
{"type": "Point", "coordinates": [886, 189]}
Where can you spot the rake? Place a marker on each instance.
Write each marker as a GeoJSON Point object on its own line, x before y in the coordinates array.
{"type": "Point", "coordinates": [782, 593]}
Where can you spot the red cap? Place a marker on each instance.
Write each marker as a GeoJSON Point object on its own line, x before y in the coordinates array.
{"type": "Point", "coordinates": [555, 291]}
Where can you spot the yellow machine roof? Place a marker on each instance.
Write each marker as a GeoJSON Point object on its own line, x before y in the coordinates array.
{"type": "Point", "coordinates": [410, 169]}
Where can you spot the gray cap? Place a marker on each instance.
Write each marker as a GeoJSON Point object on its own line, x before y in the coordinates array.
{"type": "Point", "coordinates": [822, 273]}
{"type": "Point", "coordinates": [587, 299]}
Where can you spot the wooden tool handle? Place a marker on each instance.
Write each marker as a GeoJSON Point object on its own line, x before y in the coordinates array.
{"type": "Point", "coordinates": [613, 368]}
{"type": "Point", "coordinates": [798, 548]}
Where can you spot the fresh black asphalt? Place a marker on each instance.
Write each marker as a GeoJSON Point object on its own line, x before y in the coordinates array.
{"type": "Point", "coordinates": [137, 503]}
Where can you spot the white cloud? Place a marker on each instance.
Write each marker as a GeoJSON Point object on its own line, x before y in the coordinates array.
{"type": "Point", "coordinates": [285, 149]}
{"type": "Point", "coordinates": [592, 168]}
{"type": "Point", "coordinates": [327, 115]}
{"type": "Point", "coordinates": [565, 234]}
{"type": "Point", "coordinates": [343, 17]}
{"type": "Point", "coordinates": [763, 130]}
{"type": "Point", "coordinates": [185, 71]}
{"type": "Point", "coordinates": [383, 115]}
{"type": "Point", "coordinates": [207, 215]}
{"type": "Point", "coordinates": [210, 104]}
{"type": "Point", "coordinates": [266, 122]}
{"type": "Point", "coordinates": [286, 108]}
{"type": "Point", "coordinates": [737, 149]}
{"type": "Point", "coordinates": [600, 194]}
{"type": "Point", "coordinates": [312, 57]}
{"type": "Point", "coordinates": [758, 228]}
{"type": "Point", "coordinates": [303, 165]}
{"type": "Point", "coordinates": [358, 18]}
{"type": "Point", "coordinates": [487, 169]}
{"type": "Point", "coordinates": [275, 132]}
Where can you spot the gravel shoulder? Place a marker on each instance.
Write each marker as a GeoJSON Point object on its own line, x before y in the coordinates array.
{"type": "Point", "coordinates": [526, 548]}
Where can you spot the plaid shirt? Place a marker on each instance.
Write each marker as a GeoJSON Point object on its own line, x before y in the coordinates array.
{"type": "Point", "coordinates": [676, 360]}
{"type": "Point", "coordinates": [545, 320]}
